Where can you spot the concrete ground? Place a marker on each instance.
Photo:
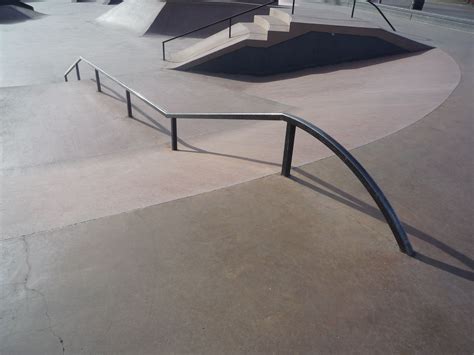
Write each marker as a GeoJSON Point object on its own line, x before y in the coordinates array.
{"type": "Point", "coordinates": [270, 265]}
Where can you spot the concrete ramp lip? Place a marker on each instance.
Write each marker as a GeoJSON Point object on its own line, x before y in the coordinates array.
{"type": "Point", "coordinates": [102, 2]}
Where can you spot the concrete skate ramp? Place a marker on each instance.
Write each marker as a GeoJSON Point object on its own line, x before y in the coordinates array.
{"type": "Point", "coordinates": [81, 158]}
{"type": "Point", "coordinates": [172, 18]}
{"type": "Point", "coordinates": [16, 13]}
{"type": "Point", "coordinates": [314, 49]}
{"type": "Point", "coordinates": [103, 2]}
{"type": "Point", "coordinates": [134, 15]}
{"type": "Point", "coordinates": [16, 3]}
{"type": "Point", "coordinates": [177, 17]}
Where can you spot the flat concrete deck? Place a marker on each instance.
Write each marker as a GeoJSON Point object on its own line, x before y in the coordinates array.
{"type": "Point", "coordinates": [267, 266]}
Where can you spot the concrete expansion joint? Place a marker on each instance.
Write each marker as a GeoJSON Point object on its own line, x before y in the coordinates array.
{"type": "Point", "coordinates": [41, 294]}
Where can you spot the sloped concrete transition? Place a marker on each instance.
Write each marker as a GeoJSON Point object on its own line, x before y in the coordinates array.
{"type": "Point", "coordinates": [279, 42]}
{"type": "Point", "coordinates": [12, 11]}
{"type": "Point", "coordinates": [112, 243]}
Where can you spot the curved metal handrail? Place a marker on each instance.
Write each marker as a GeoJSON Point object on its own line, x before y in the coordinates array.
{"type": "Point", "coordinates": [378, 9]}
{"type": "Point", "coordinates": [292, 122]}
{"type": "Point", "coordinates": [227, 19]}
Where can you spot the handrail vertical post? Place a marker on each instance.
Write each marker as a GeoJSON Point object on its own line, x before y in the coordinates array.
{"type": "Point", "coordinates": [353, 8]}
{"type": "Point", "coordinates": [293, 8]}
{"type": "Point", "coordinates": [129, 104]}
{"type": "Point", "coordinates": [174, 134]}
{"type": "Point", "coordinates": [97, 80]}
{"type": "Point", "coordinates": [288, 150]}
{"type": "Point", "coordinates": [230, 27]}
{"type": "Point", "coordinates": [65, 78]}
{"type": "Point", "coordinates": [78, 74]}
{"type": "Point", "coordinates": [163, 49]}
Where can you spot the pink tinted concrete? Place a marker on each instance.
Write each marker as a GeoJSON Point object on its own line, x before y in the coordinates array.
{"type": "Point", "coordinates": [143, 172]}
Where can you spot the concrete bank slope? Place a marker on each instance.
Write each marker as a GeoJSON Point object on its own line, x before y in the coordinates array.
{"type": "Point", "coordinates": [272, 265]}
{"type": "Point", "coordinates": [281, 42]}
{"type": "Point", "coordinates": [61, 154]}
{"type": "Point", "coordinates": [142, 17]}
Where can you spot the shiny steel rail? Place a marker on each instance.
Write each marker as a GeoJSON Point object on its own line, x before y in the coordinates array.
{"type": "Point", "coordinates": [292, 122]}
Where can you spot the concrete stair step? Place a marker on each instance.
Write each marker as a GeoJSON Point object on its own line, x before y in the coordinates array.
{"type": "Point", "coordinates": [272, 23]}
{"type": "Point", "coordinates": [277, 21]}
{"type": "Point", "coordinates": [281, 15]}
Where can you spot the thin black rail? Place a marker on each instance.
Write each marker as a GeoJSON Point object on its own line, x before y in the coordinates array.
{"type": "Point", "coordinates": [378, 9]}
{"type": "Point", "coordinates": [292, 122]}
{"type": "Point", "coordinates": [227, 19]}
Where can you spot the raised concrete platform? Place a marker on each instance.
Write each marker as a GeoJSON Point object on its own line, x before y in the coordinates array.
{"type": "Point", "coordinates": [281, 42]}
{"type": "Point", "coordinates": [135, 15]}
{"type": "Point", "coordinates": [174, 17]}
{"type": "Point", "coordinates": [270, 265]}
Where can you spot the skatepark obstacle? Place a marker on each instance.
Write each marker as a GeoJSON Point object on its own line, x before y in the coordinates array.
{"type": "Point", "coordinates": [281, 42]}
{"type": "Point", "coordinates": [174, 17]}
{"type": "Point", "coordinates": [12, 11]}
{"type": "Point", "coordinates": [292, 122]}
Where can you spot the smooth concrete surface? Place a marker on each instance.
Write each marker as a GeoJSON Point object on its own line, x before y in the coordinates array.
{"type": "Point", "coordinates": [69, 31]}
{"type": "Point", "coordinates": [271, 265]}
{"type": "Point", "coordinates": [142, 17]}
{"type": "Point", "coordinates": [80, 159]}
{"type": "Point", "coordinates": [315, 49]}
{"type": "Point", "coordinates": [274, 39]}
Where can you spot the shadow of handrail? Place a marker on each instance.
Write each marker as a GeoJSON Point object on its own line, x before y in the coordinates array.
{"type": "Point", "coordinates": [349, 200]}
{"type": "Point", "coordinates": [162, 129]}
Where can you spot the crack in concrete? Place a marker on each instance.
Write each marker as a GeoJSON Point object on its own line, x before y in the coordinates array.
{"type": "Point", "coordinates": [43, 297]}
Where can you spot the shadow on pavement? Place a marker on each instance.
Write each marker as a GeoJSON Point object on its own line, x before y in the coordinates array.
{"type": "Point", "coordinates": [353, 202]}
{"type": "Point", "coordinates": [333, 192]}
